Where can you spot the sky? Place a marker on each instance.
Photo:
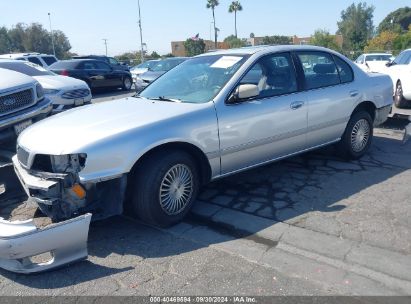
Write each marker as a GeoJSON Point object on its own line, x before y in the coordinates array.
{"type": "Point", "coordinates": [87, 22]}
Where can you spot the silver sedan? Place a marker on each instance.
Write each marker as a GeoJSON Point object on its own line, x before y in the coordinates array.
{"type": "Point", "coordinates": [213, 115]}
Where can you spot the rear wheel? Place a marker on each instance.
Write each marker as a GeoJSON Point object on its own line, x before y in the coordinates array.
{"type": "Point", "coordinates": [399, 100]}
{"type": "Point", "coordinates": [165, 188]}
{"type": "Point", "coordinates": [127, 83]}
{"type": "Point", "coordinates": [357, 136]}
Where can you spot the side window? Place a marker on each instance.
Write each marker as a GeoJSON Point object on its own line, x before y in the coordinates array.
{"type": "Point", "coordinates": [49, 59]}
{"type": "Point", "coordinates": [113, 61]}
{"type": "Point", "coordinates": [273, 74]}
{"type": "Point", "coordinates": [34, 60]}
{"type": "Point", "coordinates": [102, 65]}
{"type": "Point", "coordinates": [399, 58]}
{"type": "Point", "coordinates": [407, 58]}
{"type": "Point", "coordinates": [89, 66]}
{"type": "Point", "coordinates": [319, 70]}
{"type": "Point", "coordinates": [360, 60]}
{"type": "Point", "coordinates": [344, 70]}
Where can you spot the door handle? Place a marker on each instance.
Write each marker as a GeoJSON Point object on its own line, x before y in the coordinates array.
{"type": "Point", "coordinates": [354, 93]}
{"type": "Point", "coordinates": [296, 105]}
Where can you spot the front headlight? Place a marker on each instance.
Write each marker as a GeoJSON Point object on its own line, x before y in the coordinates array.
{"type": "Point", "coordinates": [51, 91]}
{"type": "Point", "coordinates": [39, 91]}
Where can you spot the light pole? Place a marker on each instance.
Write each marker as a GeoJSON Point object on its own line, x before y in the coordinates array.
{"type": "Point", "coordinates": [105, 43]}
{"type": "Point", "coordinates": [52, 36]}
{"type": "Point", "coordinates": [141, 32]}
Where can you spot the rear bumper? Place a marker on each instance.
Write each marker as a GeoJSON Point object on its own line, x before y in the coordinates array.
{"type": "Point", "coordinates": [66, 242]}
{"type": "Point", "coordinates": [381, 115]}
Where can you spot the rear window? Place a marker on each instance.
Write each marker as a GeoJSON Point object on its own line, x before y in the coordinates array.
{"type": "Point", "coordinates": [25, 68]}
{"type": "Point", "coordinates": [64, 65]}
{"type": "Point", "coordinates": [49, 59]}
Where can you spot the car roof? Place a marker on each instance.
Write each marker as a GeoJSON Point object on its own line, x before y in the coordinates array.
{"type": "Point", "coordinates": [266, 48]}
{"type": "Point", "coordinates": [14, 55]}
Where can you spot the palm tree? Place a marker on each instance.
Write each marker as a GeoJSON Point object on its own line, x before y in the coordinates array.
{"type": "Point", "coordinates": [212, 4]}
{"type": "Point", "coordinates": [235, 7]}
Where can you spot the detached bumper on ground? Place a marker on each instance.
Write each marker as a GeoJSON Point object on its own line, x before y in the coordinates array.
{"type": "Point", "coordinates": [20, 241]}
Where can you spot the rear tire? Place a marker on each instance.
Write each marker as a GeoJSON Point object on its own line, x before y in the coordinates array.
{"type": "Point", "coordinates": [127, 83]}
{"type": "Point", "coordinates": [357, 137]}
{"type": "Point", "coordinates": [399, 100]}
{"type": "Point", "coordinates": [165, 187]}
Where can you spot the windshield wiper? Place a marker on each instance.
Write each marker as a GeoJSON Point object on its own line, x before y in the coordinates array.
{"type": "Point", "coordinates": [163, 98]}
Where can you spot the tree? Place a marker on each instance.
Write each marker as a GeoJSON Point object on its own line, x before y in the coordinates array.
{"type": "Point", "coordinates": [234, 42]}
{"type": "Point", "coordinates": [34, 38]}
{"type": "Point", "coordinates": [325, 39]}
{"type": "Point", "coordinates": [383, 42]}
{"type": "Point", "coordinates": [212, 4]}
{"type": "Point", "coordinates": [252, 35]}
{"type": "Point", "coordinates": [235, 7]}
{"type": "Point", "coordinates": [277, 40]}
{"type": "Point", "coordinates": [5, 42]}
{"type": "Point", "coordinates": [356, 26]}
{"type": "Point", "coordinates": [397, 21]}
{"type": "Point", "coordinates": [169, 55]}
{"type": "Point", "coordinates": [194, 47]}
{"type": "Point", "coordinates": [155, 55]}
{"type": "Point", "coordinates": [403, 41]}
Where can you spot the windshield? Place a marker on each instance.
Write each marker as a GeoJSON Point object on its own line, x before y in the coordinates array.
{"type": "Point", "coordinates": [145, 65]}
{"type": "Point", "coordinates": [378, 57]}
{"type": "Point", "coordinates": [166, 65]}
{"type": "Point", "coordinates": [27, 68]}
{"type": "Point", "coordinates": [196, 80]}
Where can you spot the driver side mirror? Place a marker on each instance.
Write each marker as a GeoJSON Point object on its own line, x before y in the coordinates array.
{"type": "Point", "coordinates": [244, 91]}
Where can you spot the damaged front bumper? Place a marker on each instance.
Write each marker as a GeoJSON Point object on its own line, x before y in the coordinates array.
{"type": "Point", "coordinates": [20, 241]}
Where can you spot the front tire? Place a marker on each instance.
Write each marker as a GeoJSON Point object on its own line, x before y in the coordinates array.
{"type": "Point", "coordinates": [127, 83]}
{"type": "Point", "coordinates": [165, 188]}
{"type": "Point", "coordinates": [357, 137]}
{"type": "Point", "coordinates": [399, 100]}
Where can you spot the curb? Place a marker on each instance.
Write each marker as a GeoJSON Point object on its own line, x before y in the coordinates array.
{"type": "Point", "coordinates": [391, 268]}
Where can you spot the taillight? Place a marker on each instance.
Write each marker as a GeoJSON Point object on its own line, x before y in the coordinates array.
{"type": "Point", "coordinates": [64, 73]}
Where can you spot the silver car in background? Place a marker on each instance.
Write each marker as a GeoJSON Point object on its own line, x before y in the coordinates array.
{"type": "Point", "coordinates": [211, 116]}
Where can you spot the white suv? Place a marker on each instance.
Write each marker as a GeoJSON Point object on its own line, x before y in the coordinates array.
{"type": "Point", "coordinates": [43, 60]}
{"type": "Point", "coordinates": [22, 103]}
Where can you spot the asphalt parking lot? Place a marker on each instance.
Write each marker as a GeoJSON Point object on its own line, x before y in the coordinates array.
{"type": "Point", "coordinates": [311, 225]}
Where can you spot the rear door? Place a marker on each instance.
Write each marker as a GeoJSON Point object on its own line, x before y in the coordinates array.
{"type": "Point", "coordinates": [96, 76]}
{"type": "Point", "coordinates": [331, 93]}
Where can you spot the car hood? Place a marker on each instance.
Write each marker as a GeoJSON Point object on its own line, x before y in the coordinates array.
{"type": "Point", "coordinates": [58, 82]}
{"type": "Point", "coordinates": [75, 130]}
{"type": "Point", "coordinates": [11, 80]}
{"type": "Point", "coordinates": [151, 76]}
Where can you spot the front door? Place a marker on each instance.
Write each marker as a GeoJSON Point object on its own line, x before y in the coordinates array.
{"type": "Point", "coordinates": [268, 126]}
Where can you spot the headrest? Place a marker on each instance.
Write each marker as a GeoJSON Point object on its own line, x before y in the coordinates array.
{"type": "Point", "coordinates": [324, 68]}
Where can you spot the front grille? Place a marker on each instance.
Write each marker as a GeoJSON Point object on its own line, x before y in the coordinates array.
{"type": "Point", "coordinates": [73, 94]}
{"type": "Point", "coordinates": [15, 101]}
{"type": "Point", "coordinates": [42, 163]}
{"type": "Point", "coordinates": [23, 156]}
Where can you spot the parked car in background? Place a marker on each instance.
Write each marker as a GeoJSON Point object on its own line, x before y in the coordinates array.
{"type": "Point", "coordinates": [156, 71]}
{"type": "Point", "coordinates": [42, 60]}
{"type": "Point", "coordinates": [113, 62]}
{"type": "Point", "coordinates": [64, 92]}
{"type": "Point", "coordinates": [400, 72]}
{"type": "Point", "coordinates": [22, 103]}
{"type": "Point", "coordinates": [203, 120]}
{"type": "Point", "coordinates": [373, 62]}
{"type": "Point", "coordinates": [142, 68]}
{"type": "Point", "coordinates": [97, 74]}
